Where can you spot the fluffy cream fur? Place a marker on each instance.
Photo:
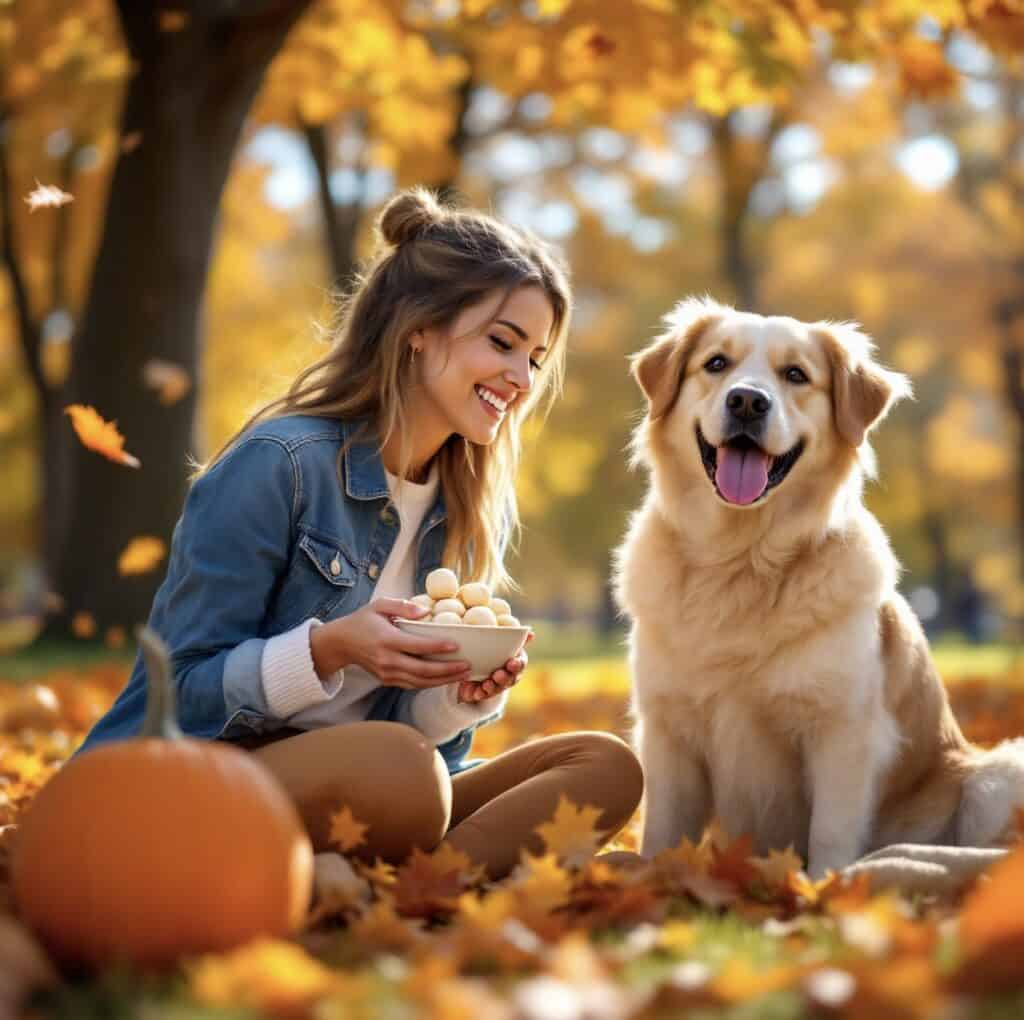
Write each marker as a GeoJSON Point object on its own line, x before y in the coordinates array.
{"type": "Point", "coordinates": [780, 682]}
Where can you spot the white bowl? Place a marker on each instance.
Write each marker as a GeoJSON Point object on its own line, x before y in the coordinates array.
{"type": "Point", "coordinates": [484, 648]}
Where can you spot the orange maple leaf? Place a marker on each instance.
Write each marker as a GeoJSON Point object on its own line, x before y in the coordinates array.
{"type": "Point", "coordinates": [44, 196]}
{"type": "Point", "coordinates": [776, 868]}
{"type": "Point", "coordinates": [141, 555]}
{"type": "Point", "coordinates": [346, 832]}
{"type": "Point", "coordinates": [428, 885]}
{"type": "Point", "coordinates": [99, 435]}
{"type": "Point", "coordinates": [544, 883]}
{"type": "Point", "coordinates": [733, 863]}
{"type": "Point", "coordinates": [571, 834]}
{"type": "Point", "coordinates": [991, 925]}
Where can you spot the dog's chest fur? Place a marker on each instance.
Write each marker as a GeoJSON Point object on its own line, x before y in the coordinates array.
{"type": "Point", "coordinates": [720, 660]}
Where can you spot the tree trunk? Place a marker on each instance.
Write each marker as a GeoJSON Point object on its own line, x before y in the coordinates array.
{"type": "Point", "coordinates": [341, 224]}
{"type": "Point", "coordinates": [1007, 314]}
{"type": "Point", "coordinates": [188, 99]}
{"type": "Point", "coordinates": [735, 183]}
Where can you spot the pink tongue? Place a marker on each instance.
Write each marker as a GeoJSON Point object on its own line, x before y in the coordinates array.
{"type": "Point", "coordinates": [741, 475]}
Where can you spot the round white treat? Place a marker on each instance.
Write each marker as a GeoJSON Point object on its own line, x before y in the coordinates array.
{"type": "Point", "coordinates": [449, 606]}
{"type": "Point", "coordinates": [508, 620]}
{"type": "Point", "coordinates": [423, 600]}
{"type": "Point", "coordinates": [480, 616]}
{"type": "Point", "coordinates": [476, 593]}
{"type": "Point", "coordinates": [500, 607]}
{"type": "Point", "coordinates": [448, 618]}
{"type": "Point", "coordinates": [442, 584]}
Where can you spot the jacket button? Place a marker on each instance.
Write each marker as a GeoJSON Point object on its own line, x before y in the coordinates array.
{"type": "Point", "coordinates": [373, 571]}
{"type": "Point", "coordinates": [336, 565]}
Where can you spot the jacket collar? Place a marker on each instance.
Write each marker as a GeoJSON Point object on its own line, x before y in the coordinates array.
{"type": "Point", "coordinates": [364, 471]}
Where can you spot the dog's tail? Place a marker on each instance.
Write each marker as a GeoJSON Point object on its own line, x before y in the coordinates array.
{"type": "Point", "coordinates": [993, 792]}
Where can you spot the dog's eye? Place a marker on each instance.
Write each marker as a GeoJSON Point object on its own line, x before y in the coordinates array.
{"type": "Point", "coordinates": [794, 374]}
{"type": "Point", "coordinates": [718, 363]}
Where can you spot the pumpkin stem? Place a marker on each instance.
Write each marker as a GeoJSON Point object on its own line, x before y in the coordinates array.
{"type": "Point", "coordinates": [161, 719]}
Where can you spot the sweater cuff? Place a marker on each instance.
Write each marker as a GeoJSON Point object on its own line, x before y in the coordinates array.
{"type": "Point", "coordinates": [439, 716]}
{"type": "Point", "coordinates": [290, 681]}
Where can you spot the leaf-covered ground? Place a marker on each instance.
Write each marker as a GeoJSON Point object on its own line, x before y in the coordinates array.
{"type": "Point", "coordinates": [702, 931]}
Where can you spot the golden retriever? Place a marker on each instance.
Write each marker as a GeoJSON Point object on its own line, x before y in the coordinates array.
{"type": "Point", "coordinates": [780, 682]}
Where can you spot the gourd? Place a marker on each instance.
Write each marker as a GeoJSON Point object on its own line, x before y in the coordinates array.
{"type": "Point", "coordinates": [143, 850]}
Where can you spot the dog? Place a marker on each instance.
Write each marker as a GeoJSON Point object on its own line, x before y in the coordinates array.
{"type": "Point", "coordinates": [779, 681]}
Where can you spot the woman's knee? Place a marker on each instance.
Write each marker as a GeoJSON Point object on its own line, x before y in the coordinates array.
{"type": "Point", "coordinates": [409, 786]}
{"type": "Point", "coordinates": [618, 773]}
{"type": "Point", "coordinates": [387, 774]}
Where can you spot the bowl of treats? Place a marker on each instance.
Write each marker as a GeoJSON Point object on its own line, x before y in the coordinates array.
{"type": "Point", "coordinates": [483, 627]}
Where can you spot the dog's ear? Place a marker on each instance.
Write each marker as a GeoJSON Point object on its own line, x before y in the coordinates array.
{"type": "Point", "coordinates": [659, 368]}
{"type": "Point", "coordinates": [862, 390]}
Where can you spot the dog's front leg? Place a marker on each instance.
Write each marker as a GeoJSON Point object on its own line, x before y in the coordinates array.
{"type": "Point", "coordinates": [678, 797]}
{"type": "Point", "coordinates": [844, 765]}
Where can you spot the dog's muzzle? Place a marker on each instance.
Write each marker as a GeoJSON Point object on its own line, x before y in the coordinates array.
{"type": "Point", "coordinates": [741, 471]}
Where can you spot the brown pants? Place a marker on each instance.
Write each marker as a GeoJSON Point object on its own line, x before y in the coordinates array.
{"type": "Point", "coordinates": [393, 780]}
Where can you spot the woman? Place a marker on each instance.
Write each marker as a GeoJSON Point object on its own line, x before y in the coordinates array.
{"type": "Point", "coordinates": [310, 531]}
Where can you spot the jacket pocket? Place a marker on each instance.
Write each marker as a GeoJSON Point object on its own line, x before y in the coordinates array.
{"type": "Point", "coordinates": [320, 581]}
{"type": "Point", "coordinates": [329, 559]}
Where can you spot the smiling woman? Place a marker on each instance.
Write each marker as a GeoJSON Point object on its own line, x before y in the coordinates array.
{"type": "Point", "coordinates": [304, 539]}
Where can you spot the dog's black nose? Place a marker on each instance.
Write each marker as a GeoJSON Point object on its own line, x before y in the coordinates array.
{"type": "Point", "coordinates": [748, 403]}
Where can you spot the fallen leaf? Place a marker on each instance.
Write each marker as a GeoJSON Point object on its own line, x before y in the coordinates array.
{"type": "Point", "coordinates": [266, 974]}
{"type": "Point", "coordinates": [571, 834]}
{"type": "Point", "coordinates": [776, 868]}
{"type": "Point", "coordinates": [991, 929]}
{"type": "Point", "coordinates": [346, 832]}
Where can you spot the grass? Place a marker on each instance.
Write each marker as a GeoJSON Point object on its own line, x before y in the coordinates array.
{"type": "Point", "coordinates": [575, 652]}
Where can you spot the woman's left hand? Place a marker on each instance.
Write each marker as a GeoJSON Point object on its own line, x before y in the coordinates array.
{"type": "Point", "coordinates": [472, 691]}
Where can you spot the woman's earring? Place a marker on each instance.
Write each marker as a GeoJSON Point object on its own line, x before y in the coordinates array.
{"type": "Point", "coordinates": [415, 351]}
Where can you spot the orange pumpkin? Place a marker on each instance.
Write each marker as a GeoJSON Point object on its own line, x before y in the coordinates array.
{"type": "Point", "coordinates": [144, 850]}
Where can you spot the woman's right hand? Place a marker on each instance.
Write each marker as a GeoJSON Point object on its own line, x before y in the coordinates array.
{"type": "Point", "coordinates": [369, 639]}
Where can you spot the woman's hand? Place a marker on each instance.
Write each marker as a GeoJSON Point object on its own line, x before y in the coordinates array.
{"type": "Point", "coordinates": [470, 691]}
{"type": "Point", "coordinates": [370, 639]}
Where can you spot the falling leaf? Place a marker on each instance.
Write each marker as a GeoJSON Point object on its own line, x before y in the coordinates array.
{"type": "Point", "coordinates": [172, 21]}
{"type": "Point", "coordinates": [47, 196]}
{"type": "Point", "coordinates": [98, 435]}
{"type": "Point", "coordinates": [141, 555]}
{"type": "Point", "coordinates": [571, 834]}
{"type": "Point", "coordinates": [83, 624]}
{"type": "Point", "coordinates": [346, 832]}
{"type": "Point", "coordinates": [168, 378]}
{"type": "Point", "coordinates": [115, 637]}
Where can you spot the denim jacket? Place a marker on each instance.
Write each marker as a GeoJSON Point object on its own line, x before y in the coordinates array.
{"type": "Point", "coordinates": [269, 537]}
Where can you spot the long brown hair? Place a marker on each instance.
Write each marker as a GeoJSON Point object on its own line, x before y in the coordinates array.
{"type": "Point", "coordinates": [430, 263]}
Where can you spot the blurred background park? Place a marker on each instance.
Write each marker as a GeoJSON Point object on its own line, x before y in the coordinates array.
{"type": "Point", "coordinates": [221, 164]}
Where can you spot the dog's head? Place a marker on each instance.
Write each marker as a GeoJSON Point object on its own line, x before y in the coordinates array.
{"type": "Point", "coordinates": [755, 403]}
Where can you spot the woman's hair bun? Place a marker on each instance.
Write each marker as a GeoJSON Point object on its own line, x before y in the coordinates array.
{"type": "Point", "coordinates": [407, 215]}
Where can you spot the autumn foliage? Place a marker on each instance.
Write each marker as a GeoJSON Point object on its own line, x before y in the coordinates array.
{"type": "Point", "coordinates": [701, 926]}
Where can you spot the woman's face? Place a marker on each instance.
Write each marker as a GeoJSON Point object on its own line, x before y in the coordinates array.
{"type": "Point", "coordinates": [472, 373]}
